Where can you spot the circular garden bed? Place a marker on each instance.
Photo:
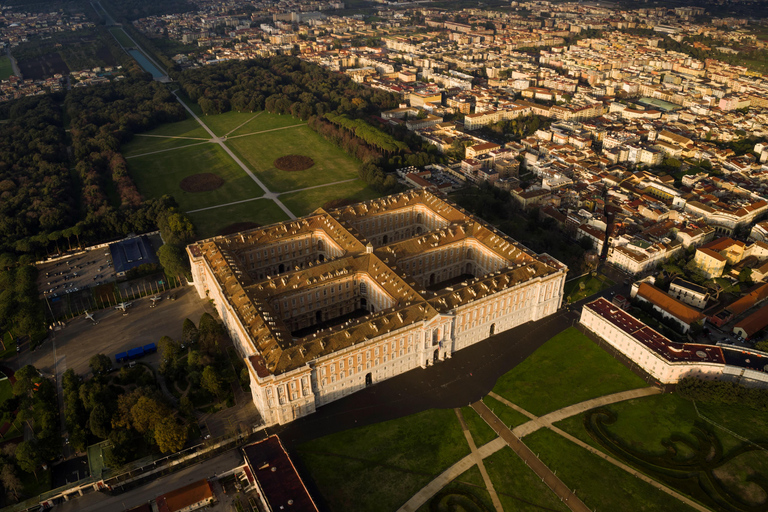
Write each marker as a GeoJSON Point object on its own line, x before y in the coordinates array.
{"type": "Point", "coordinates": [203, 182]}
{"type": "Point", "coordinates": [292, 163]}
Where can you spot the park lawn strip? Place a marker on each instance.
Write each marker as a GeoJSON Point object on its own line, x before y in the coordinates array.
{"type": "Point", "coordinates": [139, 146]}
{"type": "Point", "coordinates": [505, 413]}
{"type": "Point", "coordinates": [469, 482]}
{"type": "Point", "coordinates": [260, 151]}
{"type": "Point", "coordinates": [223, 124]}
{"type": "Point", "coordinates": [592, 285]}
{"type": "Point", "coordinates": [347, 484]}
{"type": "Point", "coordinates": [10, 346]}
{"type": "Point", "coordinates": [567, 369]}
{"type": "Point", "coordinates": [186, 128]}
{"type": "Point", "coordinates": [517, 485]}
{"type": "Point", "coordinates": [162, 173]}
{"type": "Point", "coordinates": [6, 69]}
{"type": "Point", "coordinates": [481, 432]}
{"type": "Point", "coordinates": [598, 483]}
{"type": "Point", "coordinates": [208, 223]}
{"type": "Point", "coordinates": [122, 37]}
{"type": "Point", "coordinates": [307, 201]}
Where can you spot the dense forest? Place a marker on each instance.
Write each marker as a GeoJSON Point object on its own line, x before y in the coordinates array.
{"type": "Point", "coordinates": [130, 10]}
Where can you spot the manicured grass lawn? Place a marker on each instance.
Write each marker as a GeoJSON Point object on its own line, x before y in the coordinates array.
{"type": "Point", "coordinates": [122, 37]}
{"type": "Point", "coordinates": [162, 173]}
{"type": "Point", "coordinates": [6, 390]}
{"type": "Point", "coordinates": [231, 123]}
{"type": "Point", "coordinates": [599, 484]}
{"type": "Point", "coordinates": [379, 467]}
{"type": "Point", "coordinates": [208, 223]}
{"type": "Point", "coordinates": [458, 492]}
{"type": "Point", "coordinates": [186, 128]}
{"type": "Point", "coordinates": [592, 285]}
{"type": "Point", "coordinates": [506, 414]}
{"type": "Point", "coordinates": [6, 69]}
{"type": "Point", "coordinates": [481, 432]}
{"type": "Point", "coordinates": [140, 146]}
{"type": "Point", "coordinates": [566, 370]}
{"type": "Point", "coordinates": [260, 151]}
{"type": "Point", "coordinates": [647, 425]}
{"type": "Point", "coordinates": [307, 201]}
{"type": "Point", "coordinates": [517, 485]}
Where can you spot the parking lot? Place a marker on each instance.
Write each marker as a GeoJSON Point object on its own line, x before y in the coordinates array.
{"type": "Point", "coordinates": [116, 332]}
{"type": "Point", "coordinates": [74, 273]}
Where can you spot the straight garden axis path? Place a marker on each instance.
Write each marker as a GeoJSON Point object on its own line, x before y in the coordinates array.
{"type": "Point", "coordinates": [268, 194]}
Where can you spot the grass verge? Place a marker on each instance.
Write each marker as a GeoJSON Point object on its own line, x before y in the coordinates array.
{"type": "Point", "coordinates": [209, 223]}
{"type": "Point", "coordinates": [481, 432]}
{"type": "Point", "coordinates": [307, 201]}
{"type": "Point", "coordinates": [567, 369]}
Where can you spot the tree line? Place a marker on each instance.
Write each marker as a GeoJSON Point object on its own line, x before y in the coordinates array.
{"type": "Point", "coordinates": [720, 392]}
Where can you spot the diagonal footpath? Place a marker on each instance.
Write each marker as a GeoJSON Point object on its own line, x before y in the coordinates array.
{"type": "Point", "coordinates": [243, 124]}
{"type": "Point", "coordinates": [479, 462]}
{"type": "Point", "coordinates": [266, 131]}
{"type": "Point", "coordinates": [168, 149]}
{"type": "Point", "coordinates": [542, 471]}
{"type": "Point", "coordinates": [169, 136]}
{"type": "Point", "coordinates": [267, 193]}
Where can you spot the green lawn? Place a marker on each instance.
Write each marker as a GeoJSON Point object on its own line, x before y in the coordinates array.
{"type": "Point", "coordinates": [6, 69]}
{"type": "Point", "coordinates": [234, 123]}
{"type": "Point", "coordinates": [459, 495]}
{"type": "Point", "coordinates": [379, 467]}
{"type": "Point", "coordinates": [141, 144]}
{"type": "Point", "coordinates": [664, 430]}
{"type": "Point", "coordinates": [592, 285]}
{"type": "Point", "coordinates": [481, 432]}
{"type": "Point", "coordinates": [566, 370]}
{"type": "Point", "coordinates": [518, 487]}
{"type": "Point", "coordinates": [260, 151]}
{"type": "Point", "coordinates": [162, 173]}
{"type": "Point", "coordinates": [598, 483]}
{"type": "Point", "coordinates": [506, 414]}
{"type": "Point", "coordinates": [193, 106]}
{"type": "Point", "coordinates": [307, 201]}
{"type": "Point", "coordinates": [122, 37]}
{"type": "Point", "coordinates": [186, 128]}
{"type": "Point", "coordinates": [208, 223]}
{"type": "Point", "coordinates": [10, 346]}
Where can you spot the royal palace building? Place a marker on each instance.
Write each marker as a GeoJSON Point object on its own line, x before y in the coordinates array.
{"type": "Point", "coordinates": [324, 305]}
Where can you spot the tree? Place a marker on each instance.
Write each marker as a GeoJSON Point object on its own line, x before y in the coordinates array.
{"type": "Point", "coordinates": [28, 457]}
{"type": "Point", "coordinates": [211, 381]}
{"type": "Point", "coordinates": [10, 480]}
{"type": "Point", "coordinates": [174, 260]}
{"type": "Point", "coordinates": [745, 276]}
{"type": "Point", "coordinates": [762, 345]}
{"type": "Point", "coordinates": [169, 435]}
{"type": "Point", "coordinates": [189, 333]}
{"type": "Point", "coordinates": [100, 364]}
{"type": "Point", "coordinates": [147, 413]}
{"type": "Point", "coordinates": [169, 352]}
{"type": "Point", "coordinates": [100, 421]}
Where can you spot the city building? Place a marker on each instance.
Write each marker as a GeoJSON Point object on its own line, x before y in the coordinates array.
{"type": "Point", "coordinates": [327, 304]}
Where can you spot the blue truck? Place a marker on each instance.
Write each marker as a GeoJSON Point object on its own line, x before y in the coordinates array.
{"type": "Point", "coordinates": [150, 349]}
{"type": "Point", "coordinates": [121, 357]}
{"type": "Point", "coordinates": [135, 353]}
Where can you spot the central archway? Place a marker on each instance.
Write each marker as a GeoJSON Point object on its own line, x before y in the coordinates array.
{"type": "Point", "coordinates": [368, 379]}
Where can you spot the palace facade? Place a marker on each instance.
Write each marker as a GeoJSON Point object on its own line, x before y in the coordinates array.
{"type": "Point", "coordinates": [324, 305]}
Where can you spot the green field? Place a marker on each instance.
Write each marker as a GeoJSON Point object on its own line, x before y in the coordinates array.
{"type": "Point", "coordinates": [592, 285]}
{"type": "Point", "coordinates": [260, 151]}
{"type": "Point", "coordinates": [307, 201]}
{"type": "Point", "coordinates": [209, 223]}
{"type": "Point", "coordinates": [236, 124]}
{"type": "Point", "coordinates": [146, 143]}
{"type": "Point", "coordinates": [664, 437]}
{"type": "Point", "coordinates": [566, 370]}
{"type": "Point", "coordinates": [379, 467]}
{"type": "Point", "coordinates": [466, 493]}
{"type": "Point", "coordinates": [10, 346]}
{"type": "Point", "coordinates": [517, 485]}
{"type": "Point", "coordinates": [122, 37]}
{"type": "Point", "coordinates": [6, 69]}
{"type": "Point", "coordinates": [506, 414]}
{"type": "Point", "coordinates": [481, 432]}
{"type": "Point", "coordinates": [599, 484]}
{"type": "Point", "coordinates": [162, 173]}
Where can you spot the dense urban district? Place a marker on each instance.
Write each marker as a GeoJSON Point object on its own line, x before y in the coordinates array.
{"type": "Point", "coordinates": [377, 256]}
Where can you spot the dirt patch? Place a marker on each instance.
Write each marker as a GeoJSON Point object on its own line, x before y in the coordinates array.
{"type": "Point", "coordinates": [293, 163]}
{"type": "Point", "coordinates": [203, 182]}
{"type": "Point", "coordinates": [238, 227]}
{"type": "Point", "coordinates": [43, 66]}
{"type": "Point", "coordinates": [338, 203]}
